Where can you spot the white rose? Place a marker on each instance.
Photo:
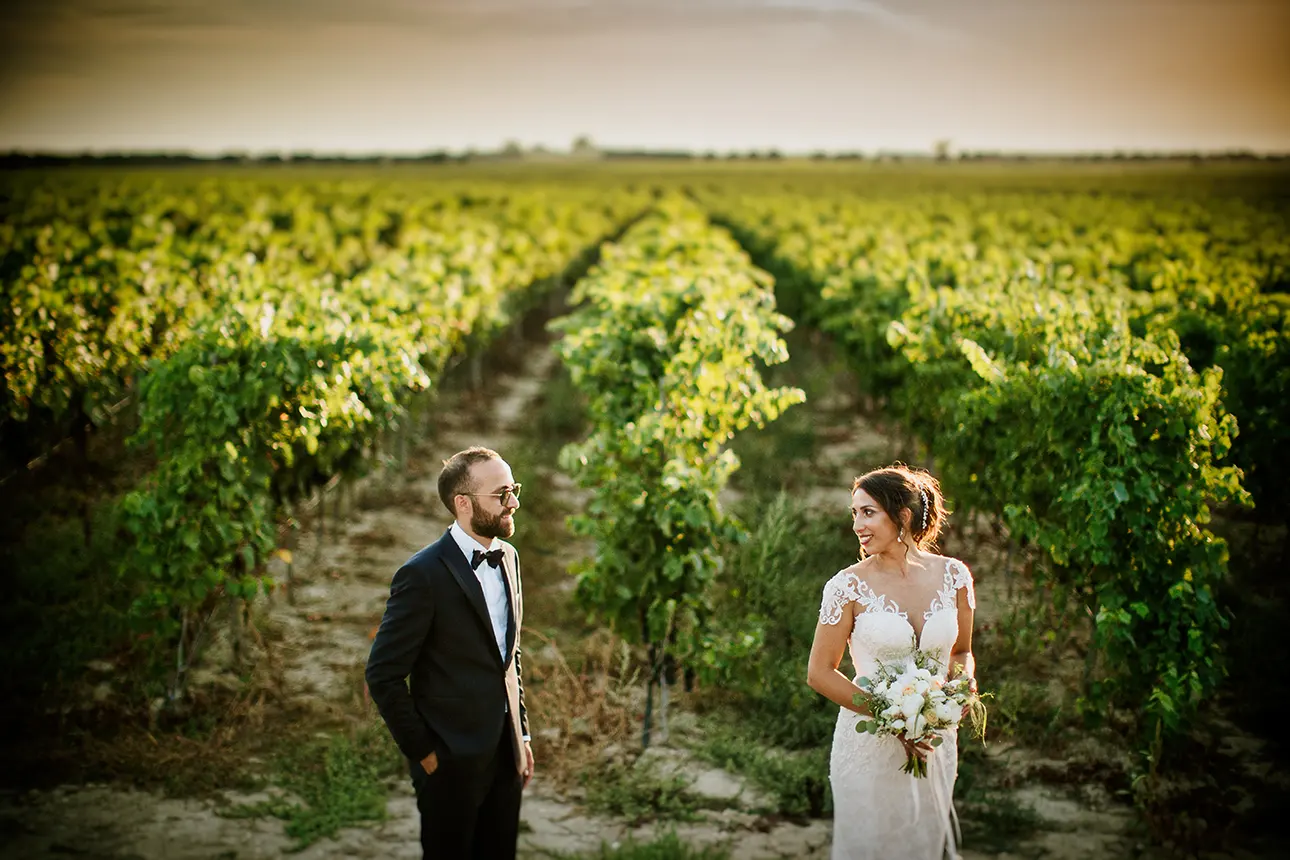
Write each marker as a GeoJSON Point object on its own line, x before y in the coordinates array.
{"type": "Point", "coordinates": [920, 723]}
{"type": "Point", "coordinates": [908, 686]}
{"type": "Point", "coordinates": [947, 712]}
{"type": "Point", "coordinates": [911, 706]}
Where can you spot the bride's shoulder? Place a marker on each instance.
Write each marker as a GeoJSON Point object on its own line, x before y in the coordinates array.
{"type": "Point", "coordinates": [960, 577]}
{"type": "Point", "coordinates": [843, 589]}
{"type": "Point", "coordinates": [848, 578]}
{"type": "Point", "coordinates": [954, 565]}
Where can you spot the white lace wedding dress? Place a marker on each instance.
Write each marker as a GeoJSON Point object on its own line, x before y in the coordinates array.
{"type": "Point", "coordinates": [878, 810]}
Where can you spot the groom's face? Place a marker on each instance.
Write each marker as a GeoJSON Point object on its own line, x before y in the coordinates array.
{"type": "Point", "coordinates": [489, 517]}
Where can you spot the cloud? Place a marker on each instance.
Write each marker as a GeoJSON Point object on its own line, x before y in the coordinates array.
{"type": "Point", "coordinates": [75, 38]}
{"type": "Point", "coordinates": [865, 9]}
{"type": "Point", "coordinates": [258, 14]}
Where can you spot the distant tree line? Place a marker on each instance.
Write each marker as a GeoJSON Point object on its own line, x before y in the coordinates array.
{"type": "Point", "coordinates": [1227, 155]}
{"type": "Point", "coordinates": [584, 150]}
{"type": "Point", "coordinates": [47, 159]}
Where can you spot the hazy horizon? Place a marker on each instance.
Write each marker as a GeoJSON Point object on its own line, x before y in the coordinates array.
{"type": "Point", "coordinates": [402, 77]}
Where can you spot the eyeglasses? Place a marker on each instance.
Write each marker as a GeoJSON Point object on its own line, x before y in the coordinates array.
{"type": "Point", "coordinates": [507, 495]}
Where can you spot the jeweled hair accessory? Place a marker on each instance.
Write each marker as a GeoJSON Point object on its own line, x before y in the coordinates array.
{"type": "Point", "coordinates": [922, 496]}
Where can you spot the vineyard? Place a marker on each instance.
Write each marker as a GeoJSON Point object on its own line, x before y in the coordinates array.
{"type": "Point", "coordinates": [1094, 361]}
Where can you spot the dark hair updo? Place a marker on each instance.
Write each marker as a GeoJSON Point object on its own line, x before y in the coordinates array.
{"type": "Point", "coordinates": [899, 487]}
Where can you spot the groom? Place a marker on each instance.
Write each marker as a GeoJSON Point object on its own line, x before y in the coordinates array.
{"type": "Point", "coordinates": [444, 670]}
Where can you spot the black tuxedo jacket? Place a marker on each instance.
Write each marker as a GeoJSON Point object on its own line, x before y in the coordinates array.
{"type": "Point", "coordinates": [434, 671]}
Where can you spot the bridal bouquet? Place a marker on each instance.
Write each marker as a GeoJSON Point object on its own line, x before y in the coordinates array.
{"type": "Point", "coordinates": [913, 703]}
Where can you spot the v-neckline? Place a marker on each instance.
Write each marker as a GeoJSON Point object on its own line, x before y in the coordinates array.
{"type": "Point", "coordinates": [883, 601]}
{"type": "Point", "coordinates": [918, 634]}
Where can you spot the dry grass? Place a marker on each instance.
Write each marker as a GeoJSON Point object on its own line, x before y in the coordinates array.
{"type": "Point", "coordinates": [377, 536]}
{"type": "Point", "coordinates": [213, 744]}
{"type": "Point", "coordinates": [402, 493]}
{"type": "Point", "coordinates": [582, 703]}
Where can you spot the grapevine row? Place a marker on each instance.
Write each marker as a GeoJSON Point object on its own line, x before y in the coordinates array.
{"type": "Point", "coordinates": [665, 344]}
{"type": "Point", "coordinates": [102, 273]}
{"type": "Point", "coordinates": [292, 345]}
{"type": "Point", "coordinates": [1050, 395]}
{"type": "Point", "coordinates": [290, 380]}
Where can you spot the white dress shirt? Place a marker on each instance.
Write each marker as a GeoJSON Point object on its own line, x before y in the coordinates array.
{"type": "Point", "coordinates": [491, 579]}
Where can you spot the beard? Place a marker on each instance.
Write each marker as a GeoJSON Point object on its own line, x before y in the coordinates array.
{"type": "Point", "coordinates": [491, 525]}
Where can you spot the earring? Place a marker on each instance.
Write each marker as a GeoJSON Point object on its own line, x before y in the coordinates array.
{"type": "Point", "coordinates": [900, 538]}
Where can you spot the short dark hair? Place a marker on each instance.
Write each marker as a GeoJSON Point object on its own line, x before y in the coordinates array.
{"type": "Point", "coordinates": [454, 479]}
{"type": "Point", "coordinates": [899, 487]}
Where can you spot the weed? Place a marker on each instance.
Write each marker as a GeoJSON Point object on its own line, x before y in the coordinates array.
{"type": "Point", "coordinates": [996, 821]}
{"type": "Point", "coordinates": [62, 603]}
{"type": "Point", "coordinates": [581, 702]}
{"type": "Point", "coordinates": [667, 847]}
{"type": "Point", "coordinates": [561, 413]}
{"type": "Point", "coordinates": [340, 782]}
{"type": "Point", "coordinates": [991, 816]}
{"type": "Point", "coordinates": [798, 781]}
{"type": "Point", "coordinates": [640, 793]}
{"type": "Point", "coordinates": [772, 582]}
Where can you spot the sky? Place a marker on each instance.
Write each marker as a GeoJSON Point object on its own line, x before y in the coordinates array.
{"type": "Point", "coordinates": [408, 76]}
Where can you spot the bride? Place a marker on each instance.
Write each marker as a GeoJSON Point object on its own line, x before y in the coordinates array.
{"type": "Point", "coordinates": [899, 597]}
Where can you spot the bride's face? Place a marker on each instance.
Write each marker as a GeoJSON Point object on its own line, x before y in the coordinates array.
{"type": "Point", "coordinates": [873, 527]}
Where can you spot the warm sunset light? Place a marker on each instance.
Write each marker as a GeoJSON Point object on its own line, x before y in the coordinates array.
{"type": "Point", "coordinates": [409, 76]}
{"type": "Point", "coordinates": [644, 429]}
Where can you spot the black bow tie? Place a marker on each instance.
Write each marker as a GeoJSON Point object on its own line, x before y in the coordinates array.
{"type": "Point", "coordinates": [494, 558]}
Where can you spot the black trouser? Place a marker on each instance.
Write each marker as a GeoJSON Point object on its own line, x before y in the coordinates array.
{"type": "Point", "coordinates": [470, 806]}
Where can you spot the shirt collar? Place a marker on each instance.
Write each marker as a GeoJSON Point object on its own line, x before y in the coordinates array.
{"type": "Point", "coordinates": [468, 544]}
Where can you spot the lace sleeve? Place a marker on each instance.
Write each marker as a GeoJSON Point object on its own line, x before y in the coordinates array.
{"type": "Point", "coordinates": [838, 592]}
{"type": "Point", "coordinates": [963, 579]}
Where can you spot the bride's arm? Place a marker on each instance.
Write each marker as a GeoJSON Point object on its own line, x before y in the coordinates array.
{"type": "Point", "coordinates": [962, 663]}
{"type": "Point", "coordinates": [822, 673]}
